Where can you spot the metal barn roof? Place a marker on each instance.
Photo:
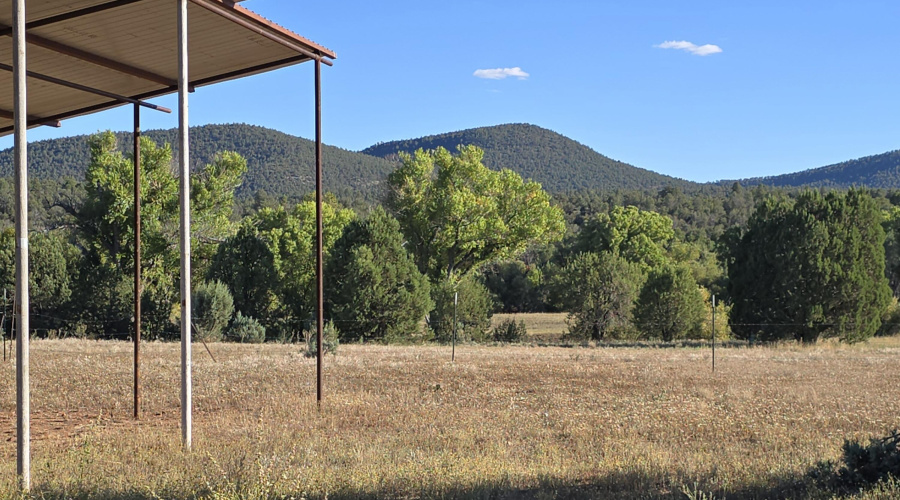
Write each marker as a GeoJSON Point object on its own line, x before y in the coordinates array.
{"type": "Point", "coordinates": [83, 55]}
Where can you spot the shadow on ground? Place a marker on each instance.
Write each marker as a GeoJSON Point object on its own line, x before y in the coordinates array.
{"type": "Point", "coordinates": [625, 486]}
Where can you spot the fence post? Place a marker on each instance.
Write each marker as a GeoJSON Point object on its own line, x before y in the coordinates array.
{"type": "Point", "coordinates": [455, 325]}
{"type": "Point", "coordinates": [714, 333]}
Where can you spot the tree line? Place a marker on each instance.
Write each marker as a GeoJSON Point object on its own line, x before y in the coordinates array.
{"type": "Point", "coordinates": [450, 243]}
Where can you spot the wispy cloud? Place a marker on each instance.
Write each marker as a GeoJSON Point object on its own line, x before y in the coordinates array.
{"type": "Point", "coordinates": [501, 73]}
{"type": "Point", "coordinates": [697, 50]}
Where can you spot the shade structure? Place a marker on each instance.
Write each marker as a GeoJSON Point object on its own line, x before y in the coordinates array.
{"type": "Point", "coordinates": [85, 56]}
{"type": "Point", "coordinates": [127, 48]}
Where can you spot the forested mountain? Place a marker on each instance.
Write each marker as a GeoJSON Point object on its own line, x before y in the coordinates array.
{"type": "Point", "coordinates": [277, 163]}
{"type": "Point", "coordinates": [557, 162]}
{"type": "Point", "coordinates": [877, 171]}
{"type": "Point", "coordinates": [283, 165]}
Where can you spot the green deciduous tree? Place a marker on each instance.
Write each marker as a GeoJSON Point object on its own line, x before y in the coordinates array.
{"type": "Point", "coordinates": [457, 214]}
{"type": "Point", "coordinates": [670, 305]}
{"type": "Point", "coordinates": [269, 265]}
{"type": "Point", "coordinates": [375, 289]}
{"type": "Point", "coordinates": [105, 233]}
{"type": "Point", "coordinates": [639, 236]}
{"type": "Point", "coordinates": [598, 291]}
{"type": "Point", "coordinates": [809, 269]}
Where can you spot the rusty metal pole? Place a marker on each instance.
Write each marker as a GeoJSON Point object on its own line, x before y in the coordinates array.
{"type": "Point", "coordinates": [137, 262]}
{"type": "Point", "coordinates": [23, 382]}
{"type": "Point", "coordinates": [320, 281]}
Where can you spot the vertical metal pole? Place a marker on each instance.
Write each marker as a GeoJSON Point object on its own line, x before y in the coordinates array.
{"type": "Point", "coordinates": [320, 299]}
{"type": "Point", "coordinates": [137, 261]}
{"type": "Point", "coordinates": [455, 324]}
{"type": "Point", "coordinates": [185, 169]}
{"type": "Point", "coordinates": [20, 111]}
{"type": "Point", "coordinates": [3, 324]}
{"type": "Point", "coordinates": [714, 333]}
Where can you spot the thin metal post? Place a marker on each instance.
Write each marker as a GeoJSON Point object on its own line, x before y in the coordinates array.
{"type": "Point", "coordinates": [137, 261]}
{"type": "Point", "coordinates": [3, 324]}
{"type": "Point", "coordinates": [455, 324]}
{"type": "Point", "coordinates": [184, 168]}
{"type": "Point", "coordinates": [320, 292]}
{"type": "Point", "coordinates": [23, 385]}
{"type": "Point", "coordinates": [713, 333]}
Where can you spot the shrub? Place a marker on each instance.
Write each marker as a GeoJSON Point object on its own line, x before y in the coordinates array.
{"type": "Point", "coordinates": [245, 329]}
{"type": "Point", "coordinates": [510, 331]}
{"type": "Point", "coordinates": [213, 307]}
{"type": "Point", "coordinates": [330, 341]}
{"type": "Point", "coordinates": [890, 320]}
{"type": "Point", "coordinates": [670, 305]}
{"type": "Point", "coordinates": [862, 465]}
{"type": "Point", "coordinates": [473, 314]}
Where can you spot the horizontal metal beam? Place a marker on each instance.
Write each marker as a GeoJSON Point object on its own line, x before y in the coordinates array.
{"type": "Point", "coordinates": [168, 90]}
{"type": "Point", "coordinates": [85, 88]}
{"type": "Point", "coordinates": [231, 15]}
{"type": "Point", "coordinates": [47, 21]}
{"type": "Point", "coordinates": [83, 55]}
{"type": "Point", "coordinates": [32, 120]}
{"type": "Point", "coordinates": [68, 50]}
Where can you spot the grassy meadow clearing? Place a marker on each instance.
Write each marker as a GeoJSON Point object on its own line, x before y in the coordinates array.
{"type": "Point", "coordinates": [403, 422]}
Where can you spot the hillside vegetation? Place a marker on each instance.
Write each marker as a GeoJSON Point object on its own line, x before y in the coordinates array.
{"type": "Point", "coordinates": [277, 163]}
{"type": "Point", "coordinates": [282, 164]}
{"type": "Point", "coordinates": [877, 171]}
{"type": "Point", "coordinates": [554, 160]}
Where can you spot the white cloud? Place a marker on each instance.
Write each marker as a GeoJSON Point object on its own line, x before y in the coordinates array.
{"type": "Point", "coordinates": [701, 50]}
{"type": "Point", "coordinates": [501, 73]}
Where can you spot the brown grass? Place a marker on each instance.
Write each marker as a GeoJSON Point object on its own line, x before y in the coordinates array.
{"type": "Point", "coordinates": [403, 422]}
{"type": "Point", "coordinates": [540, 326]}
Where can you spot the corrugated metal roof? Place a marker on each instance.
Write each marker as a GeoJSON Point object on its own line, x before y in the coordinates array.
{"type": "Point", "coordinates": [129, 48]}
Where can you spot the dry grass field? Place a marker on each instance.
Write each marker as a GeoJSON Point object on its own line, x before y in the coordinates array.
{"type": "Point", "coordinates": [540, 326]}
{"type": "Point", "coordinates": [404, 422]}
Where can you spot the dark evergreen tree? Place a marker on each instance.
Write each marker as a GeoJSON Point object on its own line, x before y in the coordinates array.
{"type": "Point", "coordinates": [810, 269]}
{"type": "Point", "coordinates": [375, 289]}
{"type": "Point", "coordinates": [670, 305]}
{"type": "Point", "coordinates": [473, 313]}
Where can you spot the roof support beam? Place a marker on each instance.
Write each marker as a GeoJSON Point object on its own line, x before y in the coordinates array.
{"type": "Point", "coordinates": [67, 50]}
{"type": "Point", "coordinates": [47, 21]}
{"type": "Point", "coordinates": [232, 16]}
{"type": "Point", "coordinates": [75, 14]}
{"type": "Point", "coordinates": [32, 120]}
{"type": "Point", "coordinates": [85, 88]}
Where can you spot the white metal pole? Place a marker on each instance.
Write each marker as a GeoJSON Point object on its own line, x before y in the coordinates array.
{"type": "Point", "coordinates": [20, 112]}
{"type": "Point", "coordinates": [185, 169]}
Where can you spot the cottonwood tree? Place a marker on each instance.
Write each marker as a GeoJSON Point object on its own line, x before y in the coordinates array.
{"type": "Point", "coordinates": [457, 214]}
{"type": "Point", "coordinates": [639, 236]}
{"type": "Point", "coordinates": [103, 222]}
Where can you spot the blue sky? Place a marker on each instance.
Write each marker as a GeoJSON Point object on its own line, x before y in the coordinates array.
{"type": "Point", "coordinates": [784, 85]}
